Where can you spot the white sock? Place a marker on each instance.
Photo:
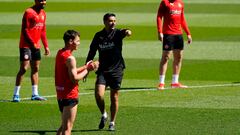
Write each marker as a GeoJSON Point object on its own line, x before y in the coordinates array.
{"type": "Point", "coordinates": [161, 78]}
{"type": "Point", "coordinates": [34, 89]}
{"type": "Point", "coordinates": [112, 123]}
{"type": "Point", "coordinates": [16, 90]}
{"type": "Point", "coordinates": [175, 78]}
{"type": "Point", "coordinates": [104, 114]}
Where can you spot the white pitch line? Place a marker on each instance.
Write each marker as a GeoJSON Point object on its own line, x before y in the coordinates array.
{"type": "Point", "coordinates": [189, 87]}
{"type": "Point", "coordinates": [146, 89]}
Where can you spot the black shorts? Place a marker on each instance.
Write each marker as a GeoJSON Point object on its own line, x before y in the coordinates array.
{"type": "Point", "coordinates": [111, 79]}
{"type": "Point", "coordinates": [66, 102]}
{"type": "Point", "coordinates": [172, 42]}
{"type": "Point", "coordinates": [30, 54]}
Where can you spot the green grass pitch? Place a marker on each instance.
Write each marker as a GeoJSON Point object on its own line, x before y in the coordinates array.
{"type": "Point", "coordinates": [211, 106]}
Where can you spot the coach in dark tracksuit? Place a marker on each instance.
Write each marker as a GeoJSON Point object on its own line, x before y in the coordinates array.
{"type": "Point", "coordinates": [108, 43]}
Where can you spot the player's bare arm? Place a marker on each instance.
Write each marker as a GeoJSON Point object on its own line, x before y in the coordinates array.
{"type": "Point", "coordinates": [72, 70]}
{"type": "Point", "coordinates": [80, 69]}
{"type": "Point", "coordinates": [90, 66]}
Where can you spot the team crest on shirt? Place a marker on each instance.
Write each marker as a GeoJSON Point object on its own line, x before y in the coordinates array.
{"type": "Point", "coordinates": [42, 17]}
{"type": "Point", "coordinates": [26, 57]}
{"type": "Point", "coordinates": [179, 5]}
{"type": "Point", "coordinates": [166, 46]}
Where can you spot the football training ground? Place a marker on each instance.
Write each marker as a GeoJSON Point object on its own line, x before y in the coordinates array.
{"type": "Point", "coordinates": [211, 69]}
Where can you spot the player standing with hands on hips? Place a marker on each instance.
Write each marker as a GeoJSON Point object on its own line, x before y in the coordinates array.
{"type": "Point", "coordinates": [170, 22]}
{"type": "Point", "coordinates": [33, 29]}
{"type": "Point", "coordinates": [67, 76]}
{"type": "Point", "coordinates": [108, 43]}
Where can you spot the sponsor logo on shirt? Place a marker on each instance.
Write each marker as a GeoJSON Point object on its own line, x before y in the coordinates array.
{"type": "Point", "coordinates": [106, 45]}
{"type": "Point", "coordinates": [59, 88]}
{"type": "Point", "coordinates": [39, 24]}
{"type": "Point", "coordinates": [175, 12]}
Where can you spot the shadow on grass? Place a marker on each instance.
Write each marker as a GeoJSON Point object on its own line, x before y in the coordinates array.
{"type": "Point", "coordinates": [236, 82]}
{"type": "Point", "coordinates": [136, 88]}
{"type": "Point", "coordinates": [44, 132]}
{"type": "Point", "coordinates": [8, 100]}
{"type": "Point", "coordinates": [130, 88]}
{"type": "Point", "coordinates": [5, 100]}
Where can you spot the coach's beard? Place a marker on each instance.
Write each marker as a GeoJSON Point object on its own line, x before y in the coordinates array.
{"type": "Point", "coordinates": [112, 26]}
{"type": "Point", "coordinates": [43, 6]}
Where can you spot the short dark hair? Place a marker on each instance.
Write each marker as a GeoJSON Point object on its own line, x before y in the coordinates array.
{"type": "Point", "coordinates": [40, 0]}
{"type": "Point", "coordinates": [107, 15]}
{"type": "Point", "coordinates": [70, 34]}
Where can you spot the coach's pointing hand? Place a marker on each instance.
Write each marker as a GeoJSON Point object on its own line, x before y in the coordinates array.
{"type": "Point", "coordinates": [128, 33]}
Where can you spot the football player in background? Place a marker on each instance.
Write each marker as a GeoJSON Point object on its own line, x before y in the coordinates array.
{"type": "Point", "coordinates": [33, 29]}
{"type": "Point", "coordinates": [170, 22]}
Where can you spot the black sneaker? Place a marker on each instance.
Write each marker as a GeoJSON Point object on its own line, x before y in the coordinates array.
{"type": "Point", "coordinates": [111, 127]}
{"type": "Point", "coordinates": [102, 122]}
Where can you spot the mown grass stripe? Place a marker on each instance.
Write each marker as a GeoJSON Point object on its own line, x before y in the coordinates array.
{"type": "Point", "coordinates": [225, 34]}
{"type": "Point", "coordinates": [140, 19]}
{"type": "Point", "coordinates": [148, 49]}
{"type": "Point", "coordinates": [219, 70]}
{"type": "Point", "coordinates": [120, 7]}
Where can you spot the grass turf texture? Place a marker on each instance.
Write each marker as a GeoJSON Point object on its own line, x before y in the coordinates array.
{"type": "Point", "coordinates": [200, 33]}
{"type": "Point", "coordinates": [213, 58]}
{"type": "Point", "coordinates": [119, 7]}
